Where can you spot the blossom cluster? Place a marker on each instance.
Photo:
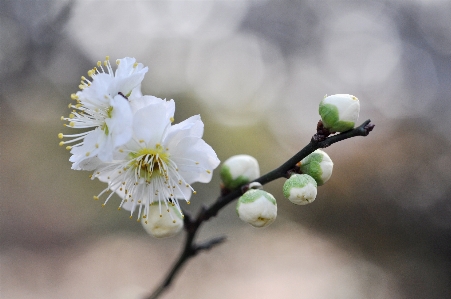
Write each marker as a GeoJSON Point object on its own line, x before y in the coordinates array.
{"type": "Point", "coordinates": [128, 140]}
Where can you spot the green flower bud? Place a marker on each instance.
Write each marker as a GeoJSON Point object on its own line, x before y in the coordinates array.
{"type": "Point", "coordinates": [239, 170]}
{"type": "Point", "coordinates": [300, 189]}
{"type": "Point", "coordinates": [163, 223]}
{"type": "Point", "coordinates": [339, 112]}
{"type": "Point", "coordinates": [317, 165]}
{"type": "Point", "coordinates": [257, 207]}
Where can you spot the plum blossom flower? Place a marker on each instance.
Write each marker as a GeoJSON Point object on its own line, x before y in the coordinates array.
{"type": "Point", "coordinates": [163, 225]}
{"type": "Point", "coordinates": [339, 112]}
{"type": "Point", "coordinates": [257, 207]}
{"type": "Point", "coordinates": [160, 162]}
{"type": "Point", "coordinates": [102, 104]}
{"type": "Point", "coordinates": [239, 170]}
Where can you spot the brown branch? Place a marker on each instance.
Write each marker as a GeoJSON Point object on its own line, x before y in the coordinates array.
{"type": "Point", "coordinates": [320, 140]}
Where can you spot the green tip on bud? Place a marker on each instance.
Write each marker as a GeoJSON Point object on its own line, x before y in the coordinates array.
{"type": "Point", "coordinates": [239, 170]}
{"type": "Point", "coordinates": [162, 225]}
{"type": "Point", "coordinates": [317, 165]}
{"type": "Point", "coordinates": [257, 207]}
{"type": "Point", "coordinates": [300, 189]}
{"type": "Point", "coordinates": [339, 112]}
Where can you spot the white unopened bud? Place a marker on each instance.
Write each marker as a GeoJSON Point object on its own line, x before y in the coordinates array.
{"type": "Point", "coordinates": [239, 170]}
{"type": "Point", "coordinates": [339, 112]}
{"type": "Point", "coordinates": [257, 207]}
{"type": "Point", "coordinates": [164, 224]}
{"type": "Point", "coordinates": [317, 165]}
{"type": "Point", "coordinates": [300, 189]}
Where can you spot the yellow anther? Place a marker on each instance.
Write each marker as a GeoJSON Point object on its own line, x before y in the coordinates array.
{"type": "Point", "coordinates": [62, 117]}
{"type": "Point", "coordinates": [68, 147]}
{"type": "Point", "coordinates": [161, 216]}
{"type": "Point", "coordinates": [118, 61]}
{"type": "Point", "coordinates": [97, 145]}
{"type": "Point", "coordinates": [96, 197]}
{"type": "Point", "coordinates": [78, 105]}
{"type": "Point", "coordinates": [145, 222]}
{"type": "Point", "coordinates": [141, 141]}
{"type": "Point", "coordinates": [119, 208]}
{"type": "Point", "coordinates": [90, 73]}
{"type": "Point", "coordinates": [90, 176]}
{"type": "Point", "coordinates": [188, 202]}
{"type": "Point", "coordinates": [69, 106]}
{"type": "Point", "coordinates": [138, 220]}
{"type": "Point", "coordinates": [107, 58]}
{"type": "Point", "coordinates": [197, 163]}
{"type": "Point", "coordinates": [81, 86]}
{"type": "Point", "coordinates": [73, 96]}
{"type": "Point", "coordinates": [87, 154]}
{"type": "Point", "coordinates": [60, 135]}
{"type": "Point", "coordinates": [83, 78]}
{"type": "Point", "coordinates": [99, 63]}
{"type": "Point", "coordinates": [208, 171]}
{"type": "Point", "coordinates": [135, 64]}
{"type": "Point", "coordinates": [194, 192]}
{"type": "Point", "coordinates": [173, 221]}
{"type": "Point", "coordinates": [144, 216]}
{"type": "Point", "coordinates": [72, 124]}
{"type": "Point", "coordinates": [61, 143]}
{"type": "Point", "coordinates": [130, 217]}
{"type": "Point", "coordinates": [103, 205]}
{"type": "Point", "coordinates": [71, 115]}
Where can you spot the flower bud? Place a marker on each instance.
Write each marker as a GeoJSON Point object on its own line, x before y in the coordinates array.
{"type": "Point", "coordinates": [257, 207]}
{"type": "Point", "coordinates": [166, 224]}
{"type": "Point", "coordinates": [318, 165]}
{"type": "Point", "coordinates": [239, 170]}
{"type": "Point", "coordinates": [339, 112]}
{"type": "Point", "coordinates": [300, 189]}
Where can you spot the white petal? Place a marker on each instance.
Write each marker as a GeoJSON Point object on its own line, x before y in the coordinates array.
{"type": "Point", "coordinates": [195, 160]}
{"type": "Point", "coordinates": [150, 123]}
{"type": "Point", "coordinates": [126, 84]}
{"type": "Point", "coordinates": [191, 127]}
{"type": "Point", "coordinates": [92, 144]}
{"type": "Point", "coordinates": [120, 123]}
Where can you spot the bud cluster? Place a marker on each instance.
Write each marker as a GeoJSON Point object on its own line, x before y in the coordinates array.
{"type": "Point", "coordinates": [259, 208]}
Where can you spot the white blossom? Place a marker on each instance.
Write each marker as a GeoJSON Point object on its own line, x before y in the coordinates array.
{"type": "Point", "coordinates": [239, 170]}
{"type": "Point", "coordinates": [300, 189]}
{"type": "Point", "coordinates": [257, 207]}
{"type": "Point", "coordinates": [339, 112]}
{"type": "Point", "coordinates": [160, 162]}
{"type": "Point", "coordinates": [162, 224]}
{"type": "Point", "coordinates": [318, 165]}
{"type": "Point", "coordinates": [102, 105]}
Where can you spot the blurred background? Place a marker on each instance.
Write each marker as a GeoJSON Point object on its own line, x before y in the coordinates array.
{"type": "Point", "coordinates": [255, 71]}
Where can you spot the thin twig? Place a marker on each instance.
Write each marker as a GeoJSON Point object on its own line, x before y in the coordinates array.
{"type": "Point", "coordinates": [320, 140]}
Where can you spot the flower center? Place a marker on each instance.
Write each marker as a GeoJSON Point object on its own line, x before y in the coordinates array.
{"type": "Point", "coordinates": [148, 162]}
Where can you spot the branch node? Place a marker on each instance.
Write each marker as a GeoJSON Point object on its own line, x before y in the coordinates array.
{"type": "Point", "coordinates": [209, 244]}
{"type": "Point", "coordinates": [368, 128]}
